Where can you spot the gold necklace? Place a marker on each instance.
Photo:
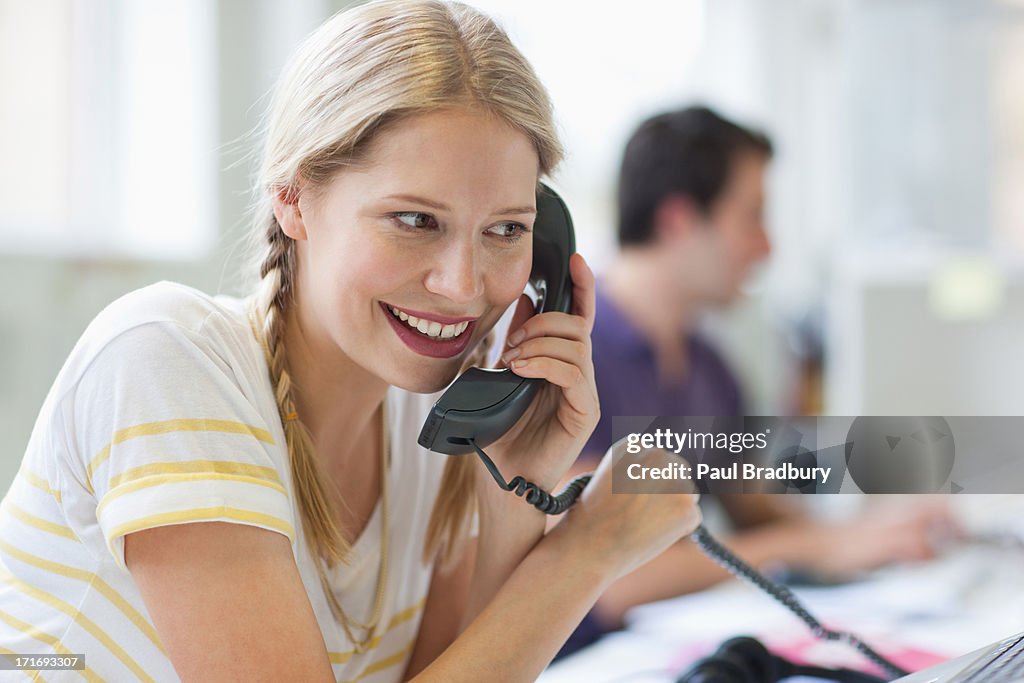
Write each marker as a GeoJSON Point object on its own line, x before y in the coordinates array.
{"type": "Point", "coordinates": [361, 645]}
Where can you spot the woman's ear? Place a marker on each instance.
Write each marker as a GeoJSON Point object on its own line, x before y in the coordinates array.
{"type": "Point", "coordinates": [287, 212]}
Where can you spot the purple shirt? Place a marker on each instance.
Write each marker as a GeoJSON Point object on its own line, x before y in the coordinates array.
{"type": "Point", "coordinates": [627, 377]}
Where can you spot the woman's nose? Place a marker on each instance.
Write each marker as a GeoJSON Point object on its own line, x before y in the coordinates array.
{"type": "Point", "coordinates": [454, 274]}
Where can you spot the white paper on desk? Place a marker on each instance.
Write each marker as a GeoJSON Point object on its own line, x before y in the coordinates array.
{"type": "Point", "coordinates": [937, 590]}
{"type": "Point", "coordinates": [617, 656]}
{"type": "Point", "coordinates": [711, 615]}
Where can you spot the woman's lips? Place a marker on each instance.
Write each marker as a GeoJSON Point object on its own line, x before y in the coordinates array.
{"type": "Point", "coordinates": [432, 347]}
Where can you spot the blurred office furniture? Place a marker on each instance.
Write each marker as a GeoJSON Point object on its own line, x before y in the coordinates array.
{"type": "Point", "coordinates": [925, 332]}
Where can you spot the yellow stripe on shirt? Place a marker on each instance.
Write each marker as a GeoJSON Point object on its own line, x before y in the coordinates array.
{"type": "Point", "coordinates": [159, 479]}
{"type": "Point", "coordinates": [85, 622]}
{"type": "Point", "coordinates": [37, 522]}
{"type": "Point", "coordinates": [47, 639]}
{"type": "Point", "coordinates": [198, 515]}
{"type": "Point", "coordinates": [104, 588]}
{"type": "Point", "coordinates": [399, 618]}
{"type": "Point", "coordinates": [38, 482]}
{"type": "Point", "coordinates": [385, 663]}
{"type": "Point", "coordinates": [195, 467]}
{"type": "Point", "coordinates": [169, 426]}
{"type": "Point", "coordinates": [33, 674]}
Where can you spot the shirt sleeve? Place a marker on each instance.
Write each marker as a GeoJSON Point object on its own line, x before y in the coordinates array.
{"type": "Point", "coordinates": [167, 435]}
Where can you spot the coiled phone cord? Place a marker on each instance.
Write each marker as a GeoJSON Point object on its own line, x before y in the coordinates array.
{"type": "Point", "coordinates": [535, 495]}
{"type": "Point", "coordinates": [557, 504]}
{"type": "Point", "coordinates": [782, 594]}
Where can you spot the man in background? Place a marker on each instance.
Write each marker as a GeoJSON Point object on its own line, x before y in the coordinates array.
{"type": "Point", "coordinates": [691, 229]}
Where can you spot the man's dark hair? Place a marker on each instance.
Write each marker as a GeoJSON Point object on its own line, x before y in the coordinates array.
{"type": "Point", "coordinates": [688, 152]}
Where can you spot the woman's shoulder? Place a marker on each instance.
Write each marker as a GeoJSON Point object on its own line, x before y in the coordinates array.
{"type": "Point", "coordinates": [164, 302]}
{"type": "Point", "coordinates": [147, 329]}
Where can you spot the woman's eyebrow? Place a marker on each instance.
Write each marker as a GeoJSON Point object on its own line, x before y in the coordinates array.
{"type": "Point", "coordinates": [444, 207]}
{"type": "Point", "coordinates": [517, 209]}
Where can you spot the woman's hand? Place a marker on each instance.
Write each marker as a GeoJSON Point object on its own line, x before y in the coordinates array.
{"type": "Point", "coordinates": [554, 347]}
{"type": "Point", "coordinates": [622, 531]}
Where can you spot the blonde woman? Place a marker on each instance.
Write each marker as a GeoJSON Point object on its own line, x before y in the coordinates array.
{"type": "Point", "coordinates": [220, 489]}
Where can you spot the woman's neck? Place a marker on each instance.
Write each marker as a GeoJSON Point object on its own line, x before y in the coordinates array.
{"type": "Point", "coordinates": [336, 399]}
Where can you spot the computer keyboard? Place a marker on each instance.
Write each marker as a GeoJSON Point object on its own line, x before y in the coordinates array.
{"type": "Point", "coordinates": [1004, 665]}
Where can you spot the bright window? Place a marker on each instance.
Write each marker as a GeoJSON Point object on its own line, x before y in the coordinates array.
{"type": "Point", "coordinates": [108, 127]}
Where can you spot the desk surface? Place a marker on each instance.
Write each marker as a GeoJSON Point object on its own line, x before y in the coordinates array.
{"type": "Point", "coordinates": [969, 597]}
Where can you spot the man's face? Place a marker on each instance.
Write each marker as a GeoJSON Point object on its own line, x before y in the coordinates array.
{"type": "Point", "coordinates": [734, 241]}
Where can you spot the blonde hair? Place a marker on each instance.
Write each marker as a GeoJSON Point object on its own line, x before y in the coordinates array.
{"type": "Point", "coordinates": [362, 70]}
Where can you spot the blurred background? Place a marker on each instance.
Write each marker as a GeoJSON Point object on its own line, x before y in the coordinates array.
{"type": "Point", "coordinates": [896, 284]}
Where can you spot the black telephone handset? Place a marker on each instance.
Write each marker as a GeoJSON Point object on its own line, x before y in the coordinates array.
{"type": "Point", "coordinates": [482, 404]}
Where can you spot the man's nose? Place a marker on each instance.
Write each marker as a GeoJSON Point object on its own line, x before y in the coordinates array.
{"type": "Point", "coordinates": [455, 274]}
{"type": "Point", "coordinates": [764, 243]}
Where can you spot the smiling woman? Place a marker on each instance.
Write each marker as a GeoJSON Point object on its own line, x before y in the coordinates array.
{"type": "Point", "coordinates": [248, 470]}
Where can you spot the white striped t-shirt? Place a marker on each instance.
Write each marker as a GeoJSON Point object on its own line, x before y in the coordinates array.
{"type": "Point", "coordinates": [164, 414]}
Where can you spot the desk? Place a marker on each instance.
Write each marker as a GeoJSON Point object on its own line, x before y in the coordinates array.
{"type": "Point", "coordinates": [969, 597]}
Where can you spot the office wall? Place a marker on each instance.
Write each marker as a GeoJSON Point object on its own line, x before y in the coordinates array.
{"type": "Point", "coordinates": [48, 301]}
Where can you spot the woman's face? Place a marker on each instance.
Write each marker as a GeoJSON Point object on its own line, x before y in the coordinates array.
{"type": "Point", "coordinates": [407, 261]}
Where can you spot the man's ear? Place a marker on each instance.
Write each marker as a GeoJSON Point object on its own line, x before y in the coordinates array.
{"type": "Point", "coordinates": [287, 212]}
{"type": "Point", "coordinates": [676, 217]}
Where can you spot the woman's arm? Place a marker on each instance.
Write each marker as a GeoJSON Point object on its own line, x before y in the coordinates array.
{"type": "Point", "coordinates": [443, 614]}
{"type": "Point", "coordinates": [228, 603]}
{"type": "Point", "coordinates": [509, 530]}
{"type": "Point", "coordinates": [207, 587]}
{"type": "Point", "coordinates": [531, 616]}
{"type": "Point", "coordinates": [533, 612]}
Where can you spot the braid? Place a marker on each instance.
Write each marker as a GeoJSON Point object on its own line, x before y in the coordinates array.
{"type": "Point", "coordinates": [274, 295]}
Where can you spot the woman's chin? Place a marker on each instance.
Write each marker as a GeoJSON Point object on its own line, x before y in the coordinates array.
{"type": "Point", "coordinates": [426, 383]}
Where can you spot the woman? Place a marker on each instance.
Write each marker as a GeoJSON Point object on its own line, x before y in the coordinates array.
{"type": "Point", "coordinates": [228, 490]}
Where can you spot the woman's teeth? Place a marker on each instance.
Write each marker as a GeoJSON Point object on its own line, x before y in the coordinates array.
{"type": "Point", "coordinates": [429, 327]}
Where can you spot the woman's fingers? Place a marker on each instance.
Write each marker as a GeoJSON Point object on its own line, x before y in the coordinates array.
{"type": "Point", "coordinates": [524, 311]}
{"type": "Point", "coordinates": [575, 325]}
{"type": "Point", "coordinates": [576, 387]}
{"type": "Point", "coordinates": [566, 350]}
{"type": "Point", "coordinates": [633, 528]}
{"type": "Point", "coordinates": [583, 297]}
{"type": "Point", "coordinates": [559, 373]}
{"type": "Point", "coordinates": [563, 325]}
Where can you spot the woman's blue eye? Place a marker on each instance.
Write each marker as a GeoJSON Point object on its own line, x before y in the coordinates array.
{"type": "Point", "coordinates": [415, 219]}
